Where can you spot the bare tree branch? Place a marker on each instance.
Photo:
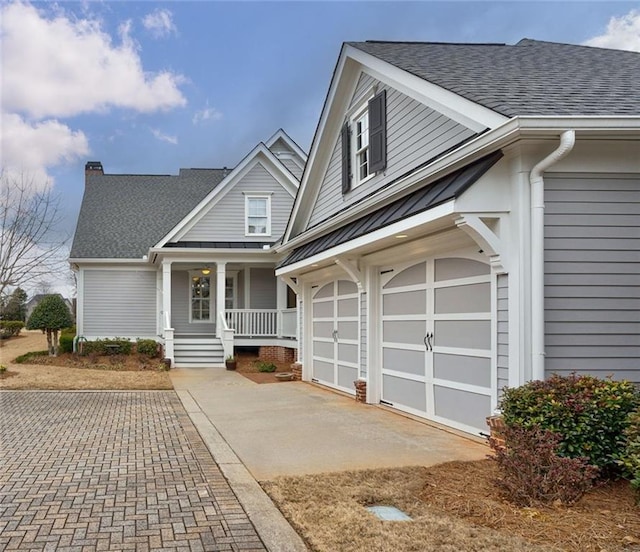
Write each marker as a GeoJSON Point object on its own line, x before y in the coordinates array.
{"type": "Point", "coordinates": [29, 244]}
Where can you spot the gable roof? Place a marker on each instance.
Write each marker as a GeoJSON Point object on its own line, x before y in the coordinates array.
{"type": "Point", "coordinates": [122, 215]}
{"type": "Point", "coordinates": [529, 78]}
{"type": "Point", "coordinates": [260, 154]}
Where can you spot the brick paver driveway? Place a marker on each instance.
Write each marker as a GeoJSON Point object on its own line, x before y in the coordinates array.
{"type": "Point", "coordinates": [111, 471]}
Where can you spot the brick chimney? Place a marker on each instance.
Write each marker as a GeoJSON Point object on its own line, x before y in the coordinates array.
{"type": "Point", "coordinates": [93, 167]}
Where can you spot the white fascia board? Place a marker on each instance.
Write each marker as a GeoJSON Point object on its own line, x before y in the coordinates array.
{"type": "Point", "coordinates": [404, 225]}
{"type": "Point", "coordinates": [273, 167]}
{"type": "Point", "coordinates": [281, 134]}
{"type": "Point", "coordinates": [91, 261]}
{"type": "Point", "coordinates": [324, 137]}
{"type": "Point", "coordinates": [466, 112]}
{"type": "Point", "coordinates": [465, 154]}
{"type": "Point", "coordinates": [193, 255]}
{"type": "Point", "coordinates": [492, 140]}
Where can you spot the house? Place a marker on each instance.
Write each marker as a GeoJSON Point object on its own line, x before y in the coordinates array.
{"type": "Point", "coordinates": [469, 219]}
{"type": "Point", "coordinates": [188, 259]}
{"type": "Point", "coordinates": [35, 301]}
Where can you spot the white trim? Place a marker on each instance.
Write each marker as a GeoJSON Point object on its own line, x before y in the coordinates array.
{"type": "Point", "coordinates": [248, 196]}
{"type": "Point", "coordinates": [260, 154]}
{"type": "Point", "coordinates": [506, 133]}
{"type": "Point", "coordinates": [109, 260]}
{"type": "Point", "coordinates": [80, 301]}
{"type": "Point", "coordinates": [281, 134]}
{"type": "Point", "coordinates": [494, 341]}
{"type": "Point", "coordinates": [430, 215]}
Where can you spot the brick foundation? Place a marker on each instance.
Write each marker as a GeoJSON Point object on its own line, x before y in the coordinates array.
{"type": "Point", "coordinates": [296, 370]}
{"type": "Point", "coordinates": [496, 429]}
{"type": "Point", "coordinates": [361, 390]}
{"type": "Point", "coordinates": [277, 354]}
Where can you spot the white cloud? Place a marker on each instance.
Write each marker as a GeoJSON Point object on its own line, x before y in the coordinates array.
{"type": "Point", "coordinates": [57, 65]}
{"type": "Point", "coordinates": [160, 23]}
{"type": "Point", "coordinates": [623, 33]}
{"type": "Point", "coordinates": [164, 137]}
{"type": "Point", "coordinates": [63, 66]}
{"type": "Point", "coordinates": [206, 114]}
{"type": "Point", "coordinates": [32, 147]}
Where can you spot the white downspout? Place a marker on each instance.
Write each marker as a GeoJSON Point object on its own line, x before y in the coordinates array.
{"type": "Point", "coordinates": [567, 141]}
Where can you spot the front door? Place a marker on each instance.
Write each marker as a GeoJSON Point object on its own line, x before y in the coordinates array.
{"type": "Point", "coordinates": [335, 312]}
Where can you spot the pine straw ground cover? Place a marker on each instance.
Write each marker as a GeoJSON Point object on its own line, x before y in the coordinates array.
{"type": "Point", "coordinates": [454, 507]}
{"type": "Point", "coordinates": [69, 372]}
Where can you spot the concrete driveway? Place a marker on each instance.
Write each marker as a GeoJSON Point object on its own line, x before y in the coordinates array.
{"type": "Point", "coordinates": [296, 428]}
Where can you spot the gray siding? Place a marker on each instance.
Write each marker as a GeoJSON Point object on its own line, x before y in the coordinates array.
{"type": "Point", "coordinates": [592, 275]}
{"type": "Point", "coordinates": [262, 288]}
{"type": "Point", "coordinates": [293, 167]}
{"type": "Point", "coordinates": [225, 221]}
{"type": "Point", "coordinates": [119, 303]}
{"type": "Point", "coordinates": [280, 147]}
{"type": "Point", "coordinates": [363, 335]}
{"type": "Point", "coordinates": [415, 134]}
{"type": "Point", "coordinates": [503, 331]}
{"type": "Point", "coordinates": [180, 298]}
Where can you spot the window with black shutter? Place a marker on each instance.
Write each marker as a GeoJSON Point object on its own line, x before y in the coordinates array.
{"type": "Point", "coordinates": [364, 142]}
{"type": "Point", "coordinates": [378, 132]}
{"type": "Point", "coordinates": [346, 158]}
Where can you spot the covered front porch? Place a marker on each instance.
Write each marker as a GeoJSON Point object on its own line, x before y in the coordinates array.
{"type": "Point", "coordinates": [207, 307]}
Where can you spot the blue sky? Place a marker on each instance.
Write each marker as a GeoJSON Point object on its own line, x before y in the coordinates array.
{"type": "Point", "coordinates": [149, 87]}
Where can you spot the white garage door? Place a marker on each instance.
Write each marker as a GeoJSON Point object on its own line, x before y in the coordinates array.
{"type": "Point", "coordinates": [436, 340]}
{"type": "Point", "coordinates": [335, 335]}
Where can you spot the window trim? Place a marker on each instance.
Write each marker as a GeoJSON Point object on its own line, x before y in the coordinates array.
{"type": "Point", "coordinates": [193, 274]}
{"type": "Point", "coordinates": [258, 195]}
{"type": "Point", "coordinates": [358, 114]}
{"type": "Point", "coordinates": [371, 101]}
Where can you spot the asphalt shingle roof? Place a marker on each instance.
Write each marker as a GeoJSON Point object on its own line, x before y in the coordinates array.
{"type": "Point", "coordinates": [529, 78]}
{"type": "Point", "coordinates": [123, 215]}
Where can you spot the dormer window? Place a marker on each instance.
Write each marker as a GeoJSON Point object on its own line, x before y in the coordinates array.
{"type": "Point", "coordinates": [364, 142]}
{"type": "Point", "coordinates": [258, 215]}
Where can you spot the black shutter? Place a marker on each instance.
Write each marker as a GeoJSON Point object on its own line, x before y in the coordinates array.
{"type": "Point", "coordinates": [346, 158]}
{"type": "Point", "coordinates": [378, 132]}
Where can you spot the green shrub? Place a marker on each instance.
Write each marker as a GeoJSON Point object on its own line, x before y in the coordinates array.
{"type": "Point", "coordinates": [588, 413]}
{"type": "Point", "coordinates": [629, 458]}
{"type": "Point", "coordinates": [10, 328]}
{"type": "Point", "coordinates": [147, 347]}
{"type": "Point", "coordinates": [24, 359]}
{"type": "Point", "coordinates": [114, 346]}
{"type": "Point", "coordinates": [66, 343]}
{"type": "Point", "coordinates": [264, 366]}
{"type": "Point", "coordinates": [532, 472]}
{"type": "Point", "coordinates": [3, 368]}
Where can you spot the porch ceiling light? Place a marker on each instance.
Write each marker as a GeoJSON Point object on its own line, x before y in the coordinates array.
{"type": "Point", "coordinates": [206, 271]}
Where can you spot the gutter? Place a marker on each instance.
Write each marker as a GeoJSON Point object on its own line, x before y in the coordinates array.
{"type": "Point", "coordinates": [536, 180]}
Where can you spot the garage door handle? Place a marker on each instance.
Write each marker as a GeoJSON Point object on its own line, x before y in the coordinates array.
{"type": "Point", "coordinates": [335, 335]}
{"type": "Point", "coordinates": [427, 341]}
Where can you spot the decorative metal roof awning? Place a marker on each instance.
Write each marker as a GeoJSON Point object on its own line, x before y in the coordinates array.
{"type": "Point", "coordinates": [436, 193]}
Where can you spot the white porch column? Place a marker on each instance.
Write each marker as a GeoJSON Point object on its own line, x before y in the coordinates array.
{"type": "Point", "coordinates": [281, 303]}
{"type": "Point", "coordinates": [166, 311]}
{"type": "Point", "coordinates": [221, 274]}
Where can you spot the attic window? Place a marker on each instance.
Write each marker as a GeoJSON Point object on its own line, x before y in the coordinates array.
{"type": "Point", "coordinates": [258, 215]}
{"type": "Point", "coordinates": [364, 142]}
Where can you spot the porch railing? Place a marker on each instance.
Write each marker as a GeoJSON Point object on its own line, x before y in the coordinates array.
{"type": "Point", "coordinates": [262, 322]}
{"type": "Point", "coordinates": [288, 322]}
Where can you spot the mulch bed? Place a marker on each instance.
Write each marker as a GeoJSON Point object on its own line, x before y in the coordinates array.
{"type": "Point", "coordinates": [605, 519]}
{"type": "Point", "coordinates": [247, 367]}
{"type": "Point", "coordinates": [128, 363]}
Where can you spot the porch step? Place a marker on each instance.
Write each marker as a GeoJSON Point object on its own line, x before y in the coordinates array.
{"type": "Point", "coordinates": [191, 352]}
